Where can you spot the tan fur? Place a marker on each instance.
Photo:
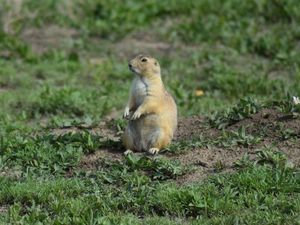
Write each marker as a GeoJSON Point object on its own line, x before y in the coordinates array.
{"type": "Point", "coordinates": [151, 110]}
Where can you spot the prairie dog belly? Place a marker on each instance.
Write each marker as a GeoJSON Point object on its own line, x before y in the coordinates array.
{"type": "Point", "coordinates": [139, 90]}
{"type": "Point", "coordinates": [145, 130]}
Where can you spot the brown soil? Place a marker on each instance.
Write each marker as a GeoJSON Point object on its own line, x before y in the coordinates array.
{"type": "Point", "coordinates": [4, 89]}
{"type": "Point", "coordinates": [52, 36]}
{"type": "Point", "coordinates": [190, 127]}
{"type": "Point", "coordinates": [215, 159]}
{"type": "Point", "coordinates": [268, 124]}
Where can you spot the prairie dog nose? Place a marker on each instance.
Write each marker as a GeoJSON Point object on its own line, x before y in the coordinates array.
{"type": "Point", "coordinates": [129, 65]}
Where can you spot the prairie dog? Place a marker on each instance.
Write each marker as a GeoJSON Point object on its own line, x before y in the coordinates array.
{"type": "Point", "coordinates": [151, 110]}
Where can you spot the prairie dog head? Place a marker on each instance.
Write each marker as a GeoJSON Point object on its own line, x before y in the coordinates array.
{"type": "Point", "coordinates": [144, 66]}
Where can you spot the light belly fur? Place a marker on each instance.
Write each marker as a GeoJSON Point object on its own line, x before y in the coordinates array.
{"type": "Point", "coordinates": [145, 130]}
{"type": "Point", "coordinates": [139, 91]}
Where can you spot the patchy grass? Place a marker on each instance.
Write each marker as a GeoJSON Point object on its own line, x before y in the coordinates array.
{"type": "Point", "coordinates": [64, 82]}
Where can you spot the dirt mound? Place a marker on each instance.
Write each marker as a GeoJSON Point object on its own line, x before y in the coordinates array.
{"type": "Point", "coordinates": [281, 132]}
{"type": "Point", "coordinates": [269, 122]}
{"type": "Point", "coordinates": [190, 127]}
{"type": "Point", "coordinates": [275, 129]}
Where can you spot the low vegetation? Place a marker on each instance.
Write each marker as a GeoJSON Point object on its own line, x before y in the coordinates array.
{"type": "Point", "coordinates": [233, 68]}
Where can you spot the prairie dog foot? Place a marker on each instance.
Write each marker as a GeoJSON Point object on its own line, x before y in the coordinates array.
{"type": "Point", "coordinates": [153, 151]}
{"type": "Point", "coordinates": [127, 152]}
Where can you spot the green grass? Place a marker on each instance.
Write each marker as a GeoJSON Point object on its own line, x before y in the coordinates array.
{"type": "Point", "coordinates": [72, 72]}
{"type": "Point", "coordinates": [260, 189]}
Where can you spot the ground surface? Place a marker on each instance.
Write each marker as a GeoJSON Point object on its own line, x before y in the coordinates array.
{"type": "Point", "coordinates": [64, 82]}
{"type": "Point", "coordinates": [211, 150]}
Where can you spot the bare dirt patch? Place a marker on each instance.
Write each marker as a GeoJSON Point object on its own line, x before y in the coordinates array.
{"type": "Point", "coordinates": [4, 89]}
{"type": "Point", "coordinates": [190, 127]}
{"type": "Point", "coordinates": [94, 160]}
{"type": "Point", "coordinates": [107, 132]}
{"type": "Point", "coordinates": [269, 124]}
{"type": "Point", "coordinates": [103, 129]}
{"type": "Point", "coordinates": [208, 161]}
{"type": "Point", "coordinates": [275, 128]}
{"type": "Point", "coordinates": [52, 36]}
{"type": "Point", "coordinates": [6, 86]}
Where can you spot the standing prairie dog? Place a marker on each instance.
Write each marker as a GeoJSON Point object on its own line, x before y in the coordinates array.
{"type": "Point", "coordinates": [151, 110]}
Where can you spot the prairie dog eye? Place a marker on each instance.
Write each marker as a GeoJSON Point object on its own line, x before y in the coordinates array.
{"type": "Point", "coordinates": [144, 59]}
{"type": "Point", "coordinates": [155, 63]}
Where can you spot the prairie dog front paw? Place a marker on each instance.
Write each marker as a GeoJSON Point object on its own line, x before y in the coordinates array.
{"type": "Point", "coordinates": [126, 112]}
{"type": "Point", "coordinates": [137, 114]}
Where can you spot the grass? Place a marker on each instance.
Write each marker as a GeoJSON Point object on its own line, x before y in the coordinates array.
{"type": "Point", "coordinates": [63, 66]}
{"type": "Point", "coordinates": [87, 197]}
